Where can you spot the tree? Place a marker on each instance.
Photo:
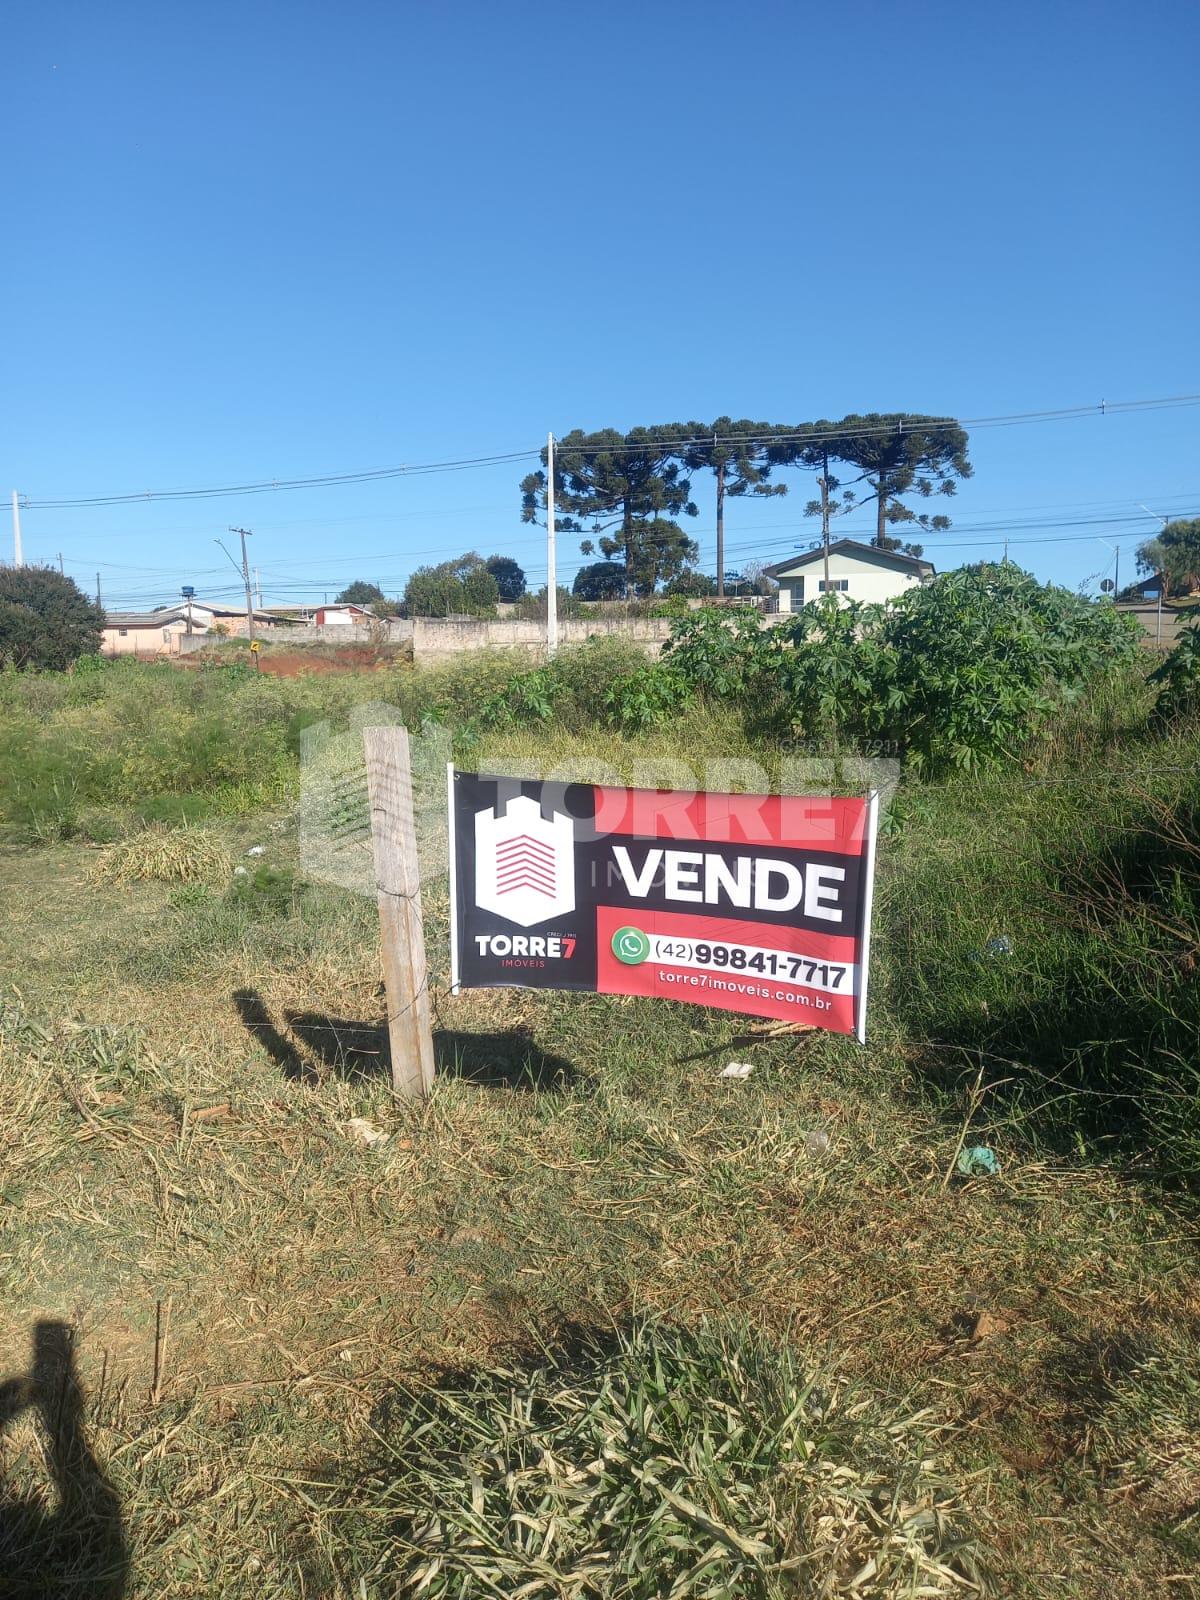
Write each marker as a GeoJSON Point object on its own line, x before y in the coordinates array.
{"type": "Point", "coordinates": [46, 621]}
{"type": "Point", "coordinates": [897, 454]}
{"type": "Point", "coordinates": [603, 580]}
{"type": "Point", "coordinates": [692, 585]}
{"type": "Point", "coordinates": [609, 479]}
{"type": "Point", "coordinates": [480, 592]}
{"type": "Point", "coordinates": [360, 593]}
{"type": "Point", "coordinates": [1175, 553]}
{"type": "Point", "coordinates": [651, 552]}
{"type": "Point", "coordinates": [510, 579]}
{"type": "Point", "coordinates": [461, 585]}
{"type": "Point", "coordinates": [737, 455]}
{"type": "Point", "coordinates": [532, 607]}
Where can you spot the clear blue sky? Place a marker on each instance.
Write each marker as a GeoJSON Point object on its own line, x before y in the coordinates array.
{"type": "Point", "coordinates": [270, 240]}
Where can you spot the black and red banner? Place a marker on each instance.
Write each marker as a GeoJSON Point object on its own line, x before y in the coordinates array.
{"type": "Point", "coordinates": [752, 903]}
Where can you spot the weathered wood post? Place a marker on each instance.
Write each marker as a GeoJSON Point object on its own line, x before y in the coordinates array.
{"type": "Point", "coordinates": [393, 837]}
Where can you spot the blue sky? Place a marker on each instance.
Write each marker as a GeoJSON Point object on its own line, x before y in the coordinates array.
{"type": "Point", "coordinates": [272, 240]}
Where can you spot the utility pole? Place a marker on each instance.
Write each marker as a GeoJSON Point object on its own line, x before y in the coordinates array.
{"type": "Point", "coordinates": [99, 604]}
{"type": "Point", "coordinates": [720, 522]}
{"type": "Point", "coordinates": [825, 511]}
{"type": "Point", "coordinates": [551, 554]}
{"type": "Point", "coordinates": [244, 534]}
{"type": "Point", "coordinates": [62, 570]}
{"type": "Point", "coordinates": [18, 557]}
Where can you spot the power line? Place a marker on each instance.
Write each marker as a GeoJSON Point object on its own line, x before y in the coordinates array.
{"type": "Point", "coordinates": [268, 486]}
{"type": "Point", "coordinates": [806, 435]}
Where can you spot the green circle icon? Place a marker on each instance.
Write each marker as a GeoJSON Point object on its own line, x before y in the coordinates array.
{"type": "Point", "coordinates": [630, 945]}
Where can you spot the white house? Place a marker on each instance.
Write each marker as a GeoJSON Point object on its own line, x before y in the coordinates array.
{"type": "Point", "coordinates": [344, 615]}
{"type": "Point", "coordinates": [859, 571]}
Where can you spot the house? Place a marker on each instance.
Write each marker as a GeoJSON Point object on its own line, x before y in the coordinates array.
{"type": "Point", "coordinates": [157, 632]}
{"type": "Point", "coordinates": [342, 616]}
{"type": "Point", "coordinates": [213, 615]}
{"type": "Point", "coordinates": [859, 571]}
{"type": "Point", "coordinates": [142, 633]}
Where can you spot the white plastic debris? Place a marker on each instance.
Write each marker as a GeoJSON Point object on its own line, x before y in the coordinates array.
{"type": "Point", "coordinates": [240, 872]}
{"type": "Point", "coordinates": [737, 1069]}
{"type": "Point", "coordinates": [816, 1142]}
{"type": "Point", "coordinates": [257, 850]}
{"type": "Point", "coordinates": [365, 1132]}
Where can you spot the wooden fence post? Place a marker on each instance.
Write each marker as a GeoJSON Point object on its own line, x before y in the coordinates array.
{"type": "Point", "coordinates": [393, 836]}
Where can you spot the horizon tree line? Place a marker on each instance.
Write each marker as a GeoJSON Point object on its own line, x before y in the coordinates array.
{"type": "Point", "coordinates": [624, 491]}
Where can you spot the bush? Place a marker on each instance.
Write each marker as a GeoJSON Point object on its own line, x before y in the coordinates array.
{"type": "Point", "coordinates": [46, 621]}
{"type": "Point", "coordinates": [1178, 679]}
{"type": "Point", "coordinates": [959, 673]}
{"type": "Point", "coordinates": [718, 651]}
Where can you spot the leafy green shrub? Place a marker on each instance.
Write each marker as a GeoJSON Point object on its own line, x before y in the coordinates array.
{"type": "Point", "coordinates": [719, 651]}
{"type": "Point", "coordinates": [833, 672]}
{"type": "Point", "coordinates": [983, 656]}
{"type": "Point", "coordinates": [1178, 679]}
{"type": "Point", "coordinates": [960, 672]}
{"type": "Point", "coordinates": [645, 697]}
{"type": "Point", "coordinates": [709, 1464]}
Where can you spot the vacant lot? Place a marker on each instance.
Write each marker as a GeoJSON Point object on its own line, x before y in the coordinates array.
{"type": "Point", "coordinates": [1000, 1375]}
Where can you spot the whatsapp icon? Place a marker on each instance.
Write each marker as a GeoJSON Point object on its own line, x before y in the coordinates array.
{"type": "Point", "coordinates": [630, 945]}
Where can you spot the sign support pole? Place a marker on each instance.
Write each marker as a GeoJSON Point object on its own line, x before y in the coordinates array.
{"type": "Point", "coordinates": [405, 976]}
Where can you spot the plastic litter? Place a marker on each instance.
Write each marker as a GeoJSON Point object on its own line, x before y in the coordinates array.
{"type": "Point", "coordinates": [737, 1069]}
{"type": "Point", "coordinates": [1000, 946]}
{"type": "Point", "coordinates": [816, 1142]}
{"type": "Point", "coordinates": [240, 872]}
{"type": "Point", "coordinates": [257, 850]}
{"type": "Point", "coordinates": [365, 1132]}
{"type": "Point", "coordinates": [978, 1161]}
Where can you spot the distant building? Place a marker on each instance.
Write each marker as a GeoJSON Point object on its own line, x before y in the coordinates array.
{"type": "Point", "coordinates": [142, 633]}
{"type": "Point", "coordinates": [157, 632]}
{"type": "Point", "coordinates": [858, 571]}
{"type": "Point", "coordinates": [342, 616]}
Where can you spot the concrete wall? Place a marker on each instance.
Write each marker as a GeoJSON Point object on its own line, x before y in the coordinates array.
{"type": "Point", "coordinates": [398, 632]}
{"type": "Point", "coordinates": [440, 638]}
{"type": "Point", "coordinates": [437, 638]}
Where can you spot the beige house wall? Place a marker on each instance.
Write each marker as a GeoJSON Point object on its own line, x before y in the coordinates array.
{"type": "Point", "coordinates": [140, 641]}
{"type": "Point", "coordinates": [866, 581]}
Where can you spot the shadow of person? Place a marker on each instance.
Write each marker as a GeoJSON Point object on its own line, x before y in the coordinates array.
{"type": "Point", "coordinates": [511, 1059]}
{"type": "Point", "coordinates": [256, 1019]}
{"type": "Point", "coordinates": [77, 1546]}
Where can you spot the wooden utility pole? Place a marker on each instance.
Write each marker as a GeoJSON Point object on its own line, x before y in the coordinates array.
{"type": "Point", "coordinates": [18, 554]}
{"type": "Point", "coordinates": [405, 976]}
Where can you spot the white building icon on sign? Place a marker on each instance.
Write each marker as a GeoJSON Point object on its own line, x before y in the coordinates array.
{"type": "Point", "coordinates": [524, 864]}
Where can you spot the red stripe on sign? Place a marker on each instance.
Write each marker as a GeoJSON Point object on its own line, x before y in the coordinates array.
{"type": "Point", "coordinates": [517, 880]}
{"type": "Point", "coordinates": [524, 843]}
{"type": "Point", "coordinates": [836, 823]}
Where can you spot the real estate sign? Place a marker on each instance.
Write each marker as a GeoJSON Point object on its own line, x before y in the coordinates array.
{"type": "Point", "coordinates": [752, 903]}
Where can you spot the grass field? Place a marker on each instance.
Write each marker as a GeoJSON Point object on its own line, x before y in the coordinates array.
{"type": "Point", "coordinates": [711, 1354]}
